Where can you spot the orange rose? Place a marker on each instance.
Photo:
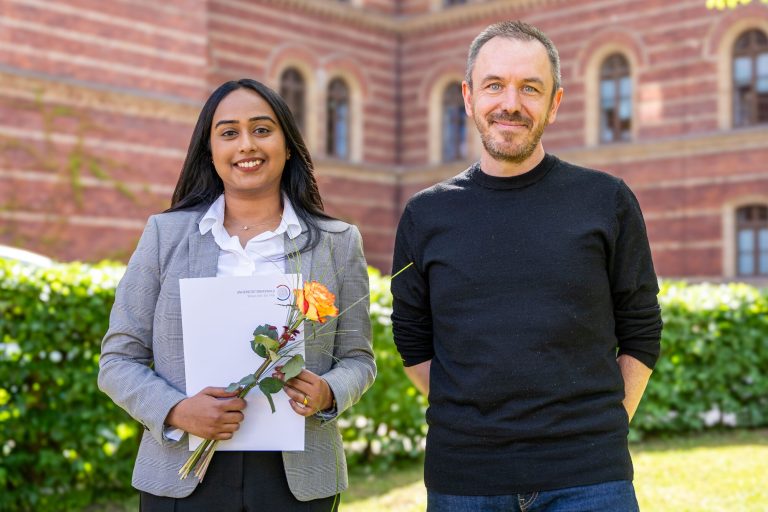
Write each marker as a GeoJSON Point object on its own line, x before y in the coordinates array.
{"type": "Point", "coordinates": [315, 301]}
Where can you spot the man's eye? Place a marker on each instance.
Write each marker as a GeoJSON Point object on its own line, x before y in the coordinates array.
{"type": "Point", "coordinates": [530, 89]}
{"type": "Point", "coordinates": [494, 87]}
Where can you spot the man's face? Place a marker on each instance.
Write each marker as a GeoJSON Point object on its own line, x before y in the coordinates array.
{"type": "Point", "coordinates": [511, 98]}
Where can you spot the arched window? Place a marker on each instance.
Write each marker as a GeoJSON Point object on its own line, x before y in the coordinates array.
{"type": "Point", "coordinates": [293, 91]}
{"type": "Point", "coordinates": [337, 133]}
{"type": "Point", "coordinates": [750, 79]}
{"type": "Point", "coordinates": [752, 240]}
{"type": "Point", "coordinates": [454, 124]}
{"type": "Point", "coordinates": [615, 99]}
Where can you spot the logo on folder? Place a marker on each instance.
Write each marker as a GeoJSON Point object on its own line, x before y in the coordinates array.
{"type": "Point", "coordinates": [282, 292]}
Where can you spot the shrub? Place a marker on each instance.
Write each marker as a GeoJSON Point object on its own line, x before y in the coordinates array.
{"type": "Point", "coordinates": [388, 422]}
{"type": "Point", "coordinates": [63, 442]}
{"type": "Point", "coordinates": [712, 367]}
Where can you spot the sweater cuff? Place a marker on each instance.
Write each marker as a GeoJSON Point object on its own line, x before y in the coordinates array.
{"type": "Point", "coordinates": [647, 358]}
{"type": "Point", "coordinates": [413, 360]}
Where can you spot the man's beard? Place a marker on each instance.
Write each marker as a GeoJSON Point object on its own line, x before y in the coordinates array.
{"type": "Point", "coordinates": [507, 151]}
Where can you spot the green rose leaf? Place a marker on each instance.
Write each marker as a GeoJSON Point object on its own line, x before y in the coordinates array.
{"type": "Point", "coordinates": [242, 383]}
{"type": "Point", "coordinates": [270, 385]}
{"type": "Point", "coordinates": [269, 399]}
{"type": "Point", "coordinates": [262, 344]}
{"type": "Point", "coordinates": [270, 331]}
{"type": "Point", "coordinates": [259, 349]}
{"type": "Point", "coordinates": [293, 367]}
{"type": "Point", "coordinates": [263, 338]}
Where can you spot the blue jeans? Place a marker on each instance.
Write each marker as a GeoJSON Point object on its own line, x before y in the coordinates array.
{"type": "Point", "coordinates": [605, 497]}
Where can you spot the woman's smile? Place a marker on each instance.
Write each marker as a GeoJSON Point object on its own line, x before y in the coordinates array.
{"type": "Point", "coordinates": [249, 164]}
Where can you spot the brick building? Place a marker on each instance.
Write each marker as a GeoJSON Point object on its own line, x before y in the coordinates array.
{"type": "Point", "coordinates": [98, 99]}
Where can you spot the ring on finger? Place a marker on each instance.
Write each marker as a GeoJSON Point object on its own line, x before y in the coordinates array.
{"type": "Point", "coordinates": [306, 401]}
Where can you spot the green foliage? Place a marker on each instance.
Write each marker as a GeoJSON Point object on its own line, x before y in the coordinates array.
{"type": "Point", "coordinates": [388, 422]}
{"type": "Point", "coordinates": [714, 354]}
{"type": "Point", "coordinates": [293, 367]}
{"type": "Point", "coordinates": [264, 340]}
{"type": "Point", "coordinates": [62, 442]}
{"type": "Point", "coordinates": [729, 4]}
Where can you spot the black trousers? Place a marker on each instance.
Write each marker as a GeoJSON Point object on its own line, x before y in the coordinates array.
{"type": "Point", "coordinates": [240, 482]}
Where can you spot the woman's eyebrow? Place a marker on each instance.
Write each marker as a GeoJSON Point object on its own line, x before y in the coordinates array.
{"type": "Point", "coordinates": [235, 121]}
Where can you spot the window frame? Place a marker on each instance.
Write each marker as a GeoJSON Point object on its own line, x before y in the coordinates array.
{"type": "Point", "coordinates": [332, 104]}
{"type": "Point", "coordinates": [745, 97]}
{"type": "Point", "coordinates": [753, 219]}
{"type": "Point", "coordinates": [296, 90]}
{"type": "Point", "coordinates": [453, 125]}
{"type": "Point", "coordinates": [614, 69]}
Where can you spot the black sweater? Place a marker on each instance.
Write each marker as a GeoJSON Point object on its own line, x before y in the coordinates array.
{"type": "Point", "coordinates": [521, 291]}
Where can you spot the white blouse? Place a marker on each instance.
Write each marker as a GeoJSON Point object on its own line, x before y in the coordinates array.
{"type": "Point", "coordinates": [263, 254]}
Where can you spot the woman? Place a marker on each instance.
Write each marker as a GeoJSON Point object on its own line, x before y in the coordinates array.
{"type": "Point", "coordinates": [246, 203]}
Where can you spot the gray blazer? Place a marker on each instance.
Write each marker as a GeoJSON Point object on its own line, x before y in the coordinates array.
{"type": "Point", "coordinates": [142, 355]}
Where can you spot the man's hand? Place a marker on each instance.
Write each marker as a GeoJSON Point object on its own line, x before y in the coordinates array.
{"type": "Point", "coordinates": [213, 413]}
{"type": "Point", "coordinates": [419, 375]}
{"type": "Point", "coordinates": [636, 376]}
{"type": "Point", "coordinates": [308, 392]}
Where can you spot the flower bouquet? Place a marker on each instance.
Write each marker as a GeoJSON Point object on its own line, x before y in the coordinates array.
{"type": "Point", "coordinates": [315, 303]}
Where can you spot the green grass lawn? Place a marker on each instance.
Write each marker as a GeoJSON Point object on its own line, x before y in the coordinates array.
{"type": "Point", "coordinates": [698, 473]}
{"type": "Point", "coordinates": [702, 473]}
{"type": "Point", "coordinates": [708, 473]}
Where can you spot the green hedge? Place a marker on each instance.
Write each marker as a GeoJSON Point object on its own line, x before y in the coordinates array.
{"type": "Point", "coordinates": [63, 444]}
{"type": "Point", "coordinates": [388, 422]}
{"type": "Point", "coordinates": [712, 370]}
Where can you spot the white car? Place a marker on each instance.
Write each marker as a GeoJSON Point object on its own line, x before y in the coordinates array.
{"type": "Point", "coordinates": [24, 256]}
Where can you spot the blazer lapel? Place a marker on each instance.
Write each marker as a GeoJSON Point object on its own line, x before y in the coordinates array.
{"type": "Point", "coordinates": [301, 261]}
{"type": "Point", "coordinates": [203, 254]}
{"type": "Point", "coordinates": [295, 260]}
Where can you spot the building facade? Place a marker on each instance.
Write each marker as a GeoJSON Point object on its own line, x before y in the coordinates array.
{"type": "Point", "coordinates": [98, 100]}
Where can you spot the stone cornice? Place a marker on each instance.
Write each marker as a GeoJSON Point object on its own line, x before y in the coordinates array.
{"type": "Point", "coordinates": [712, 143]}
{"type": "Point", "coordinates": [465, 14]}
{"type": "Point", "coordinates": [362, 172]}
{"type": "Point", "coordinates": [21, 85]}
{"type": "Point", "coordinates": [607, 156]}
{"type": "Point", "coordinates": [404, 25]}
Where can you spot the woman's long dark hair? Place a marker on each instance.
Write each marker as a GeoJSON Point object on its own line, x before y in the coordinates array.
{"type": "Point", "coordinates": [199, 184]}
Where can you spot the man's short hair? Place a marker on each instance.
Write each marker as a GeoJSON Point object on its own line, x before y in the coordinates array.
{"type": "Point", "coordinates": [520, 31]}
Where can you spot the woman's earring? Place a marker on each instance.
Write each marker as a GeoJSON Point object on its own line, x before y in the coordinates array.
{"type": "Point", "coordinates": [288, 156]}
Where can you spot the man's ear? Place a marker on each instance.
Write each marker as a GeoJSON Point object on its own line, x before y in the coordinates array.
{"type": "Point", "coordinates": [466, 92]}
{"type": "Point", "coordinates": [555, 105]}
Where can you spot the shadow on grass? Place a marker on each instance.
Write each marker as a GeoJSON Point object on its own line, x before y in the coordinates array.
{"type": "Point", "coordinates": [710, 439]}
{"type": "Point", "coordinates": [129, 505]}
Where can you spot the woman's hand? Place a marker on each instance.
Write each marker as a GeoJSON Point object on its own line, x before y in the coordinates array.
{"type": "Point", "coordinates": [308, 393]}
{"type": "Point", "coordinates": [213, 413]}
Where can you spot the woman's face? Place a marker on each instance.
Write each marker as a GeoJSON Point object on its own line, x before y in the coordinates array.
{"type": "Point", "coordinates": [248, 145]}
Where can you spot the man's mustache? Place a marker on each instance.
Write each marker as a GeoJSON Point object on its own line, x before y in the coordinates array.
{"type": "Point", "coordinates": [515, 117]}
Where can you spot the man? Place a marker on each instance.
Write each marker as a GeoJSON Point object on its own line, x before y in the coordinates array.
{"type": "Point", "coordinates": [529, 315]}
